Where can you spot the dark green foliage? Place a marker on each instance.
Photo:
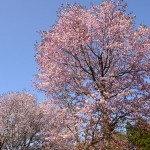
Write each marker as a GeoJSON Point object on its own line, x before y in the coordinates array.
{"type": "Point", "coordinates": [139, 135]}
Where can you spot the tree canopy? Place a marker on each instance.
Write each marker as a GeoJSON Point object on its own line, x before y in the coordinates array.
{"type": "Point", "coordinates": [95, 64]}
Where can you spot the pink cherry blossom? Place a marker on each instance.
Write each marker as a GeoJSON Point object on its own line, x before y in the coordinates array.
{"type": "Point", "coordinates": [96, 55]}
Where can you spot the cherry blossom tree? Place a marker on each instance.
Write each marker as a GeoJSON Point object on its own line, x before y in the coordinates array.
{"type": "Point", "coordinates": [55, 131]}
{"type": "Point", "coordinates": [27, 124]}
{"type": "Point", "coordinates": [20, 122]}
{"type": "Point", "coordinates": [96, 65]}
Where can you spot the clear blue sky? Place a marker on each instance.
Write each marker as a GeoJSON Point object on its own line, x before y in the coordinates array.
{"type": "Point", "coordinates": [19, 22]}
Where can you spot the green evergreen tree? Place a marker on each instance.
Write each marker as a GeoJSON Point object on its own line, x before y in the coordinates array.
{"type": "Point", "coordinates": [139, 134]}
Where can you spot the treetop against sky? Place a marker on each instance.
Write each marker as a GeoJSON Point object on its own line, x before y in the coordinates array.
{"type": "Point", "coordinates": [20, 22]}
{"type": "Point", "coordinates": [95, 64]}
{"type": "Point", "coordinates": [93, 61]}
